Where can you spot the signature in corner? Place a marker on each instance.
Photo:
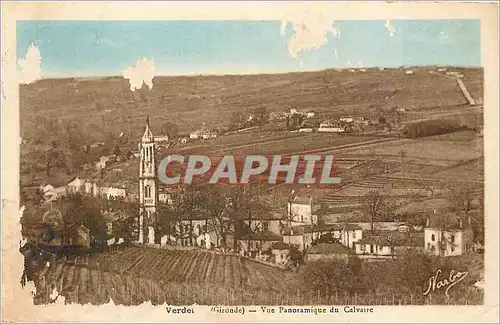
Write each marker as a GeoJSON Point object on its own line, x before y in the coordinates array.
{"type": "Point", "coordinates": [436, 283]}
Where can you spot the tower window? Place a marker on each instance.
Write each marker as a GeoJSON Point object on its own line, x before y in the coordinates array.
{"type": "Point", "coordinates": [433, 237]}
{"type": "Point", "coordinates": [265, 226]}
{"type": "Point", "coordinates": [147, 191]}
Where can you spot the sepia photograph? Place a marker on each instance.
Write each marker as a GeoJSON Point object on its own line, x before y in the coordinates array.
{"type": "Point", "coordinates": [291, 163]}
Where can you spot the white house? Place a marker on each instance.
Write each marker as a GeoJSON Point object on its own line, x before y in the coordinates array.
{"type": "Point", "coordinates": [161, 139]}
{"type": "Point", "coordinates": [102, 162]}
{"type": "Point", "coordinates": [165, 198]}
{"type": "Point", "coordinates": [299, 237]}
{"type": "Point", "coordinates": [202, 134]}
{"type": "Point", "coordinates": [331, 129]}
{"type": "Point", "coordinates": [448, 234]}
{"type": "Point", "coordinates": [350, 234]}
{"type": "Point", "coordinates": [115, 192]}
{"type": "Point", "coordinates": [77, 185]}
{"type": "Point", "coordinates": [300, 210]}
{"type": "Point", "coordinates": [281, 253]}
{"type": "Point", "coordinates": [346, 119]}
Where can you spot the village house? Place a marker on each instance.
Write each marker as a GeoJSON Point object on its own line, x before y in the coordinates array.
{"type": "Point", "coordinates": [281, 253]}
{"type": "Point", "coordinates": [346, 119]}
{"type": "Point", "coordinates": [202, 134]}
{"type": "Point", "coordinates": [300, 211]}
{"type": "Point", "coordinates": [161, 139]}
{"type": "Point", "coordinates": [256, 243]}
{"type": "Point", "coordinates": [448, 234]}
{"type": "Point", "coordinates": [272, 222]}
{"type": "Point", "coordinates": [190, 229]}
{"type": "Point", "coordinates": [335, 230]}
{"type": "Point", "coordinates": [350, 234]}
{"type": "Point", "coordinates": [76, 186]}
{"type": "Point", "coordinates": [346, 233]}
{"type": "Point", "coordinates": [299, 237]}
{"type": "Point", "coordinates": [165, 198]}
{"type": "Point", "coordinates": [116, 192]}
{"type": "Point", "coordinates": [330, 127]}
{"type": "Point", "coordinates": [328, 251]}
{"type": "Point", "coordinates": [388, 243]}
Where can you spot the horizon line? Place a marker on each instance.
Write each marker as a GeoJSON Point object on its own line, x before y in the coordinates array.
{"type": "Point", "coordinates": [51, 77]}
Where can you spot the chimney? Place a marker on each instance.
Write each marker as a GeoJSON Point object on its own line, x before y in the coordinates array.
{"type": "Point", "coordinates": [460, 224]}
{"type": "Point", "coordinates": [427, 222]}
{"type": "Point", "coordinates": [470, 221]}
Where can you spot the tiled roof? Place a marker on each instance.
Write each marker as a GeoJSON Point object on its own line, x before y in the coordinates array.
{"type": "Point", "coordinates": [280, 246]}
{"type": "Point", "coordinates": [448, 221]}
{"type": "Point", "coordinates": [302, 200]}
{"type": "Point", "coordinates": [329, 248]}
{"type": "Point", "coordinates": [297, 230]}
{"type": "Point", "coordinates": [265, 236]}
{"type": "Point", "coordinates": [394, 238]}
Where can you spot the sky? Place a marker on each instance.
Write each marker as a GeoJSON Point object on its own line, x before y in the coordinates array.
{"type": "Point", "coordinates": [102, 48]}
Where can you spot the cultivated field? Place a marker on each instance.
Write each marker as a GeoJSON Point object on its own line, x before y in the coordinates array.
{"type": "Point", "coordinates": [82, 284]}
{"type": "Point", "coordinates": [181, 266]}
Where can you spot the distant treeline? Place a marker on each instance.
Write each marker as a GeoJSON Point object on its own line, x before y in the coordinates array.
{"type": "Point", "coordinates": [431, 128]}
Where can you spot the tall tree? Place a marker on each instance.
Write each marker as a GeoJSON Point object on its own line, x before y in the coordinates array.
{"type": "Point", "coordinates": [374, 203]}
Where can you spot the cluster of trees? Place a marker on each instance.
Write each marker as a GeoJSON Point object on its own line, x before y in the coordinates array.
{"type": "Point", "coordinates": [431, 128]}
{"type": "Point", "coordinates": [75, 210]}
{"type": "Point", "coordinates": [405, 276]}
{"type": "Point", "coordinates": [257, 116]}
{"type": "Point", "coordinates": [464, 200]}
{"type": "Point", "coordinates": [66, 144]}
{"type": "Point", "coordinates": [228, 210]}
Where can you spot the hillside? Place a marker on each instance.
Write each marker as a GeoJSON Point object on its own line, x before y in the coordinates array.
{"type": "Point", "coordinates": [190, 101]}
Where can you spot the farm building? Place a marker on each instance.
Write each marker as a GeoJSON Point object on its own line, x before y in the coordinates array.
{"type": "Point", "coordinates": [328, 251]}
{"type": "Point", "coordinates": [448, 234]}
{"type": "Point", "coordinates": [202, 134]}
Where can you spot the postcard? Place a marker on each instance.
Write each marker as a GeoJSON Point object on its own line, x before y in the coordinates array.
{"type": "Point", "coordinates": [248, 162]}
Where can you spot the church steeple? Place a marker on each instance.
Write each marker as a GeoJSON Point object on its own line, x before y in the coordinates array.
{"type": "Point", "coordinates": [148, 137]}
{"type": "Point", "coordinates": [148, 186]}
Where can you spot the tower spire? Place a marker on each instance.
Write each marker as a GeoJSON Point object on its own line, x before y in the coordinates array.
{"type": "Point", "coordinates": [147, 120]}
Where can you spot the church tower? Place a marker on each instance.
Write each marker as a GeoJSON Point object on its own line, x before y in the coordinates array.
{"type": "Point", "coordinates": [148, 186]}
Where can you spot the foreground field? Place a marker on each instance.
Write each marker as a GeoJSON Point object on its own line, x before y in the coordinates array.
{"type": "Point", "coordinates": [139, 275]}
{"type": "Point", "coordinates": [181, 266]}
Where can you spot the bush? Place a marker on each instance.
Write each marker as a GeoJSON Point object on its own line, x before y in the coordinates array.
{"type": "Point", "coordinates": [431, 128]}
{"type": "Point", "coordinates": [330, 276]}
